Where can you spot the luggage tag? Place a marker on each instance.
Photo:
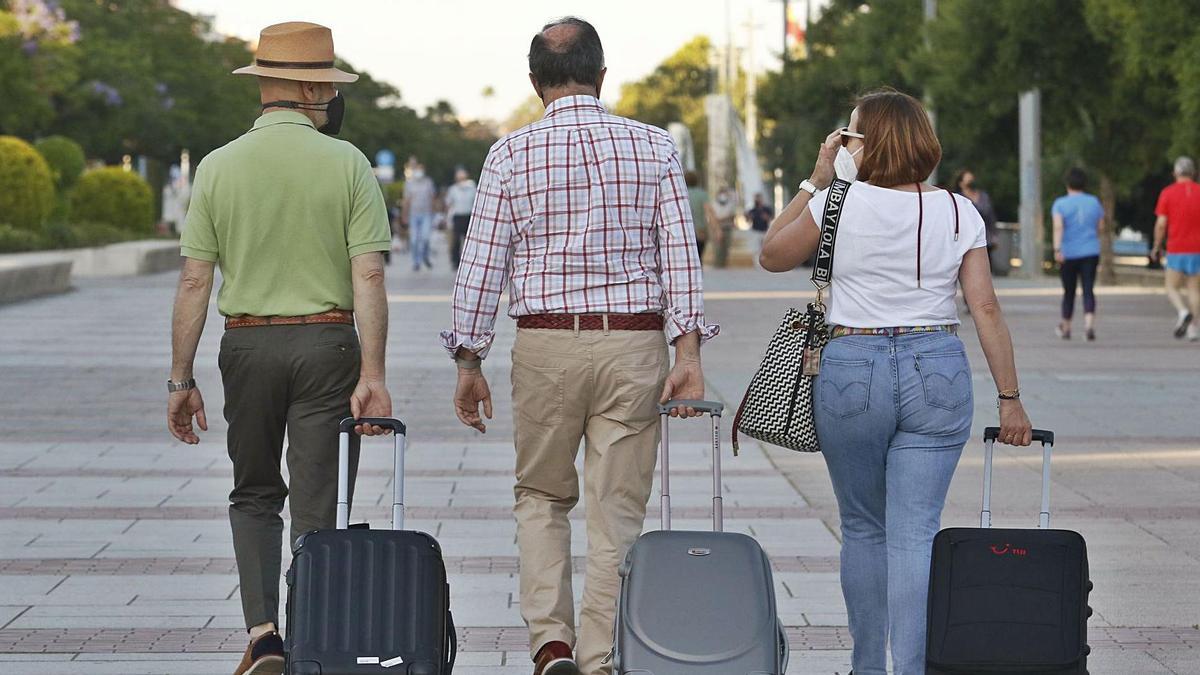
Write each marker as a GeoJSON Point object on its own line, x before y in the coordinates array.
{"type": "Point", "coordinates": [811, 361]}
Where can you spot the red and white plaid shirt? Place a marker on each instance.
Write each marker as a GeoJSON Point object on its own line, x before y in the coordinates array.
{"type": "Point", "coordinates": [582, 212]}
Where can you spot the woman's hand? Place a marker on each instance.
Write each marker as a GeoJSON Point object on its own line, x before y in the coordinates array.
{"type": "Point", "coordinates": [823, 173]}
{"type": "Point", "coordinates": [1015, 427]}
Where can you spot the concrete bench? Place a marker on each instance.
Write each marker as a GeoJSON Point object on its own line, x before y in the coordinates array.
{"type": "Point", "coordinates": [22, 278]}
{"type": "Point", "coordinates": [131, 258]}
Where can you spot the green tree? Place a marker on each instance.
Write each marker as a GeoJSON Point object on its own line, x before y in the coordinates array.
{"type": "Point", "coordinates": [529, 111]}
{"type": "Point", "coordinates": [1095, 113]}
{"type": "Point", "coordinates": [854, 47]}
{"type": "Point", "coordinates": [38, 62]}
{"type": "Point", "coordinates": [150, 84]}
{"type": "Point", "coordinates": [675, 91]}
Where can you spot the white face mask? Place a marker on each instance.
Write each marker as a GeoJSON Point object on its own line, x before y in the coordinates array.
{"type": "Point", "coordinates": [843, 164]}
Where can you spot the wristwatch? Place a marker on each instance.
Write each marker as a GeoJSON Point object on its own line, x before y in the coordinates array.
{"type": "Point", "coordinates": [469, 364]}
{"type": "Point", "coordinates": [185, 385]}
{"type": "Point", "coordinates": [807, 186]}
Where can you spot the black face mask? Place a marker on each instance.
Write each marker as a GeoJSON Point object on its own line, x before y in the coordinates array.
{"type": "Point", "coordinates": [335, 110]}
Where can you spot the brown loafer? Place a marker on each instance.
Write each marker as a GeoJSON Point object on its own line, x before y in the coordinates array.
{"type": "Point", "coordinates": [264, 656]}
{"type": "Point", "coordinates": [555, 658]}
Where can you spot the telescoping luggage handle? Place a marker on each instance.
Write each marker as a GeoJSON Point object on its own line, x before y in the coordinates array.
{"type": "Point", "coordinates": [713, 408]}
{"type": "Point", "coordinates": [990, 435]}
{"type": "Point", "coordinates": [399, 431]}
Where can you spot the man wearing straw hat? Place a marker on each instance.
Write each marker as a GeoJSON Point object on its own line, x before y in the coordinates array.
{"type": "Point", "coordinates": [297, 223]}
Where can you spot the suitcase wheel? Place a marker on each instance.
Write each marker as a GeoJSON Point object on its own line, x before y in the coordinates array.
{"type": "Point", "coordinates": [1090, 611]}
{"type": "Point", "coordinates": [1090, 586]}
{"type": "Point", "coordinates": [1087, 650]}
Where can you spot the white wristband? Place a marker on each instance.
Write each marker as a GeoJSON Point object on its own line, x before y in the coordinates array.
{"type": "Point", "coordinates": [808, 187]}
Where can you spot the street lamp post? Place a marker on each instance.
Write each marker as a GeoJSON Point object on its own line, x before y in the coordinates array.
{"type": "Point", "coordinates": [1030, 212]}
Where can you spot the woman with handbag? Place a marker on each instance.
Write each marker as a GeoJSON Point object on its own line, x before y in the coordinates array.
{"type": "Point", "coordinates": [892, 398]}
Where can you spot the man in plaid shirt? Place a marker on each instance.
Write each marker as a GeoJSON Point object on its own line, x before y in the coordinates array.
{"type": "Point", "coordinates": [584, 218]}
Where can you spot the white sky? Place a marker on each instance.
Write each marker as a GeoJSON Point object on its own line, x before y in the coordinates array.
{"type": "Point", "coordinates": [453, 49]}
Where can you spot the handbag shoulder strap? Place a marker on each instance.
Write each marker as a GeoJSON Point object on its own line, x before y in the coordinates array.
{"type": "Point", "coordinates": [822, 272]}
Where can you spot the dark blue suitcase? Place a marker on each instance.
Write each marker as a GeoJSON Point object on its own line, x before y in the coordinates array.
{"type": "Point", "coordinates": [1008, 600]}
{"type": "Point", "coordinates": [369, 601]}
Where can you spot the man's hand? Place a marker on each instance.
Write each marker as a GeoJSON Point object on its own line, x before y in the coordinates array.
{"type": "Point", "coordinates": [370, 399]}
{"type": "Point", "coordinates": [181, 406]}
{"type": "Point", "coordinates": [685, 381]}
{"type": "Point", "coordinates": [472, 389]}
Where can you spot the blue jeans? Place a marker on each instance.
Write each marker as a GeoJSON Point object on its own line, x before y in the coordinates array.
{"type": "Point", "coordinates": [420, 229]}
{"type": "Point", "coordinates": [893, 414]}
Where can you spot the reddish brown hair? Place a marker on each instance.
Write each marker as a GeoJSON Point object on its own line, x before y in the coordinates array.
{"type": "Point", "coordinates": [900, 146]}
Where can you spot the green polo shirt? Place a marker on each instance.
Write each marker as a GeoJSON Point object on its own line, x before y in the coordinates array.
{"type": "Point", "coordinates": [282, 210]}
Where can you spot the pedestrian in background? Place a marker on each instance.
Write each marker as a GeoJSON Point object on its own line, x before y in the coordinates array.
{"type": "Point", "coordinates": [894, 401]}
{"type": "Point", "coordinates": [964, 184]}
{"type": "Point", "coordinates": [1177, 232]}
{"type": "Point", "coordinates": [760, 216]}
{"type": "Point", "coordinates": [460, 198]}
{"type": "Point", "coordinates": [724, 210]}
{"type": "Point", "coordinates": [702, 217]}
{"type": "Point", "coordinates": [1078, 218]}
{"type": "Point", "coordinates": [297, 222]}
{"type": "Point", "coordinates": [598, 298]}
{"type": "Point", "coordinates": [420, 197]}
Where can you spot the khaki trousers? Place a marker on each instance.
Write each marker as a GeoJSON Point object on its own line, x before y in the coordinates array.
{"type": "Point", "coordinates": [601, 387]}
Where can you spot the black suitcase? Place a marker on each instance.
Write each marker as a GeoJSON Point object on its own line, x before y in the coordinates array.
{"type": "Point", "coordinates": [369, 601]}
{"type": "Point", "coordinates": [1008, 600]}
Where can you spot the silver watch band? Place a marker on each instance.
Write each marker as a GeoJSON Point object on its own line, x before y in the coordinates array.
{"type": "Point", "coordinates": [185, 385]}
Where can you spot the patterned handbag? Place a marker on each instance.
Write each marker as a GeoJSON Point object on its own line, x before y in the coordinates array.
{"type": "Point", "coordinates": [778, 405]}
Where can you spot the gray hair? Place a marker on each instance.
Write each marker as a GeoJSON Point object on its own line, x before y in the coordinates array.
{"type": "Point", "coordinates": [1185, 166]}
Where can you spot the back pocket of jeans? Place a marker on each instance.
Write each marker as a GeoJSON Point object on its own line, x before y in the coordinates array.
{"type": "Point", "coordinates": [845, 386]}
{"type": "Point", "coordinates": [946, 377]}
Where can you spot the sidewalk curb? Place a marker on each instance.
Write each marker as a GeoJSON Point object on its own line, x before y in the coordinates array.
{"type": "Point", "coordinates": [31, 275]}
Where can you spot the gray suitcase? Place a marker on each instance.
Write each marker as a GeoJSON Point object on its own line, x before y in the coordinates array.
{"type": "Point", "coordinates": [696, 603]}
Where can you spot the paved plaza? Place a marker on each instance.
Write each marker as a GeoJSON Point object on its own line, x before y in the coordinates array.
{"type": "Point", "coordinates": [115, 553]}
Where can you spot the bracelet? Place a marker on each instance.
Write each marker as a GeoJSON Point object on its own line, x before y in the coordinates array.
{"type": "Point", "coordinates": [1009, 394]}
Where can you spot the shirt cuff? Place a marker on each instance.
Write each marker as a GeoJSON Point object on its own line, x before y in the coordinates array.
{"type": "Point", "coordinates": [452, 341]}
{"type": "Point", "coordinates": [679, 324]}
{"type": "Point", "coordinates": [198, 254]}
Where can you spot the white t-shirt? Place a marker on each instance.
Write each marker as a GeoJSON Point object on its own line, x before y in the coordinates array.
{"type": "Point", "coordinates": [875, 257]}
{"type": "Point", "coordinates": [460, 198]}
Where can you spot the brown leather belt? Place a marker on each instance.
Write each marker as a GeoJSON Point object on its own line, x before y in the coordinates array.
{"type": "Point", "coordinates": [592, 321]}
{"type": "Point", "coordinates": [332, 316]}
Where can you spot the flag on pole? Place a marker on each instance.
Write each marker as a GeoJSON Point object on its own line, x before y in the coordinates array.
{"type": "Point", "coordinates": [797, 26]}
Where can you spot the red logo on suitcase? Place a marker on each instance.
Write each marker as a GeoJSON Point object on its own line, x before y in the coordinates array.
{"type": "Point", "coordinates": [1009, 549]}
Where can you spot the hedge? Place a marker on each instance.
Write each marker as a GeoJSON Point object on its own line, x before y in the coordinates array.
{"type": "Point", "coordinates": [115, 197]}
{"type": "Point", "coordinates": [66, 160]}
{"type": "Point", "coordinates": [26, 186]}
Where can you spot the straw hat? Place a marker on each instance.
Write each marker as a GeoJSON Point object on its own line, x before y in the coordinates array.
{"type": "Point", "coordinates": [296, 50]}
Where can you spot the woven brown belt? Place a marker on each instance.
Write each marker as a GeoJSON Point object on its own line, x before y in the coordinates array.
{"type": "Point", "coordinates": [332, 316]}
{"type": "Point", "coordinates": [592, 321]}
